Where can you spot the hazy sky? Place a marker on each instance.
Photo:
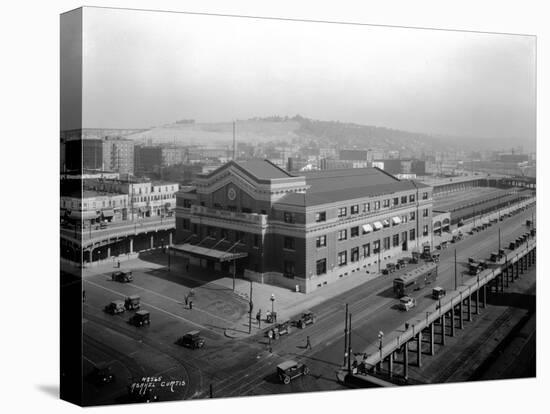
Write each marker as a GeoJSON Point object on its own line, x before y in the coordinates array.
{"type": "Point", "coordinates": [149, 68]}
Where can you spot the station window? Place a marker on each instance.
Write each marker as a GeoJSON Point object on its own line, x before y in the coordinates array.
{"type": "Point", "coordinates": [342, 235]}
{"type": "Point", "coordinates": [366, 250]}
{"type": "Point", "coordinates": [396, 201]}
{"type": "Point", "coordinates": [320, 216]}
{"type": "Point", "coordinates": [377, 205]}
{"type": "Point", "coordinates": [425, 212]}
{"type": "Point", "coordinates": [386, 203]}
{"type": "Point", "coordinates": [354, 232]}
{"type": "Point", "coordinates": [355, 209]}
{"type": "Point", "coordinates": [403, 199]}
{"type": "Point", "coordinates": [354, 254]}
{"type": "Point", "coordinates": [412, 198]}
{"type": "Point", "coordinates": [386, 243]}
{"type": "Point", "coordinates": [342, 258]}
{"type": "Point", "coordinates": [342, 212]}
{"type": "Point", "coordinates": [395, 240]}
{"type": "Point", "coordinates": [412, 216]}
{"type": "Point", "coordinates": [424, 196]}
{"type": "Point", "coordinates": [321, 266]}
{"type": "Point", "coordinates": [289, 269]}
{"type": "Point", "coordinates": [425, 231]}
{"type": "Point", "coordinates": [412, 234]}
{"type": "Point", "coordinates": [288, 217]}
{"type": "Point", "coordinates": [321, 241]}
{"type": "Point", "coordinates": [289, 243]}
{"type": "Point", "coordinates": [376, 246]}
{"type": "Point", "coordinates": [366, 207]}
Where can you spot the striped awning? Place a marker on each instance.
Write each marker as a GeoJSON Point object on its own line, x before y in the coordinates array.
{"type": "Point", "coordinates": [367, 228]}
{"type": "Point", "coordinates": [377, 225]}
{"type": "Point", "coordinates": [396, 220]}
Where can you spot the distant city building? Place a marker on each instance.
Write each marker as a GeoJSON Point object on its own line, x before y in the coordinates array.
{"type": "Point", "coordinates": [145, 198]}
{"type": "Point", "coordinates": [301, 231]}
{"type": "Point", "coordinates": [401, 166]}
{"type": "Point", "coordinates": [118, 155]}
{"type": "Point", "coordinates": [91, 206]}
{"type": "Point", "coordinates": [354, 155]}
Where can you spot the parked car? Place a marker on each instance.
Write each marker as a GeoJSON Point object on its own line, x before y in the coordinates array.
{"type": "Point", "coordinates": [474, 269]}
{"type": "Point", "coordinates": [288, 370]}
{"type": "Point", "coordinates": [140, 318]}
{"type": "Point", "coordinates": [115, 307]}
{"type": "Point", "coordinates": [406, 303]}
{"type": "Point", "coordinates": [307, 318]}
{"type": "Point", "coordinates": [192, 340]}
{"type": "Point", "coordinates": [438, 292]}
{"type": "Point", "coordinates": [122, 276]}
{"type": "Point", "coordinates": [100, 376]}
{"type": "Point", "coordinates": [132, 302]}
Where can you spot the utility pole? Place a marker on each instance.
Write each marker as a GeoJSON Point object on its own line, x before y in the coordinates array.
{"type": "Point", "coordinates": [346, 337]}
{"type": "Point", "coordinates": [251, 306]}
{"type": "Point", "coordinates": [499, 240]}
{"type": "Point", "coordinates": [349, 345]}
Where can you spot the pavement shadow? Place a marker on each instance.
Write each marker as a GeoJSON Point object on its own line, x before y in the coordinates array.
{"type": "Point", "coordinates": [386, 293]}
{"type": "Point", "coordinates": [513, 299]}
{"type": "Point", "coordinates": [49, 389]}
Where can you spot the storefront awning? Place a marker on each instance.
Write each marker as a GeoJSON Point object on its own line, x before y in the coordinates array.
{"type": "Point", "coordinates": [377, 225]}
{"type": "Point", "coordinates": [108, 213]}
{"type": "Point", "coordinates": [386, 223]}
{"type": "Point", "coordinates": [83, 215]}
{"type": "Point", "coordinates": [396, 220]}
{"type": "Point", "coordinates": [206, 253]}
{"type": "Point", "coordinates": [367, 228]}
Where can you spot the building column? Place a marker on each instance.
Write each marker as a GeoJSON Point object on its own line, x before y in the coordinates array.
{"type": "Point", "coordinates": [460, 319]}
{"type": "Point", "coordinates": [432, 344]}
{"type": "Point", "coordinates": [477, 302]}
{"type": "Point", "coordinates": [469, 308]}
{"type": "Point", "coordinates": [484, 296]}
{"type": "Point", "coordinates": [390, 364]}
{"type": "Point", "coordinates": [152, 241]}
{"type": "Point", "coordinates": [108, 252]}
{"type": "Point", "coordinates": [419, 349]}
{"type": "Point", "coordinates": [452, 315]}
{"type": "Point", "coordinates": [443, 322]}
{"type": "Point", "coordinates": [406, 360]}
{"type": "Point", "coordinates": [169, 239]}
{"type": "Point", "coordinates": [131, 245]}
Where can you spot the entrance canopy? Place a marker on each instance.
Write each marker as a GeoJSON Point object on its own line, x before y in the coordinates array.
{"type": "Point", "coordinates": [206, 253]}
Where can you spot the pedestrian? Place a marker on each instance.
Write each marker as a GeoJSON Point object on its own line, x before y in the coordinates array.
{"type": "Point", "coordinates": [190, 304]}
{"type": "Point", "coordinates": [308, 343]}
{"type": "Point", "coordinates": [259, 318]}
{"type": "Point", "coordinates": [186, 300]}
{"type": "Point", "coordinates": [118, 264]}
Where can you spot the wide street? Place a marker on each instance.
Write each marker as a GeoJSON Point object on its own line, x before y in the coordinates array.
{"type": "Point", "coordinates": [245, 366]}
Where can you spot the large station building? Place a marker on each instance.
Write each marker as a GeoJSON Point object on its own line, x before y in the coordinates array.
{"type": "Point", "coordinates": [300, 231]}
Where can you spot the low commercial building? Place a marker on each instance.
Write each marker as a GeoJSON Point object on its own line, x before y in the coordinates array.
{"type": "Point", "coordinates": [302, 230]}
{"type": "Point", "coordinates": [91, 207]}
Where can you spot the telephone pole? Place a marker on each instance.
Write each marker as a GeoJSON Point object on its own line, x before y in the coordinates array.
{"type": "Point", "coordinates": [251, 306]}
{"type": "Point", "coordinates": [456, 282]}
{"type": "Point", "coordinates": [346, 337]}
{"type": "Point", "coordinates": [349, 345]}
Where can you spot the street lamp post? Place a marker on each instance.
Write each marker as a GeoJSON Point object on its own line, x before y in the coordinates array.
{"type": "Point", "coordinates": [272, 299]}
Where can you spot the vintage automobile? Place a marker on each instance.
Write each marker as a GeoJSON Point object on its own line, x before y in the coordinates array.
{"type": "Point", "coordinates": [100, 376]}
{"type": "Point", "coordinates": [401, 263]}
{"type": "Point", "coordinates": [512, 245]}
{"type": "Point", "coordinates": [288, 370]}
{"type": "Point", "coordinates": [495, 257]}
{"type": "Point", "coordinates": [438, 292]}
{"type": "Point", "coordinates": [406, 303]}
{"type": "Point", "coordinates": [132, 302]}
{"type": "Point", "coordinates": [115, 307]}
{"type": "Point", "coordinates": [192, 340]}
{"type": "Point", "coordinates": [307, 318]}
{"type": "Point", "coordinates": [140, 318]}
{"type": "Point", "coordinates": [122, 276]}
{"type": "Point", "coordinates": [474, 269]}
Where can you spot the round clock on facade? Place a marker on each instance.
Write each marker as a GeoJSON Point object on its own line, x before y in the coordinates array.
{"type": "Point", "coordinates": [231, 194]}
